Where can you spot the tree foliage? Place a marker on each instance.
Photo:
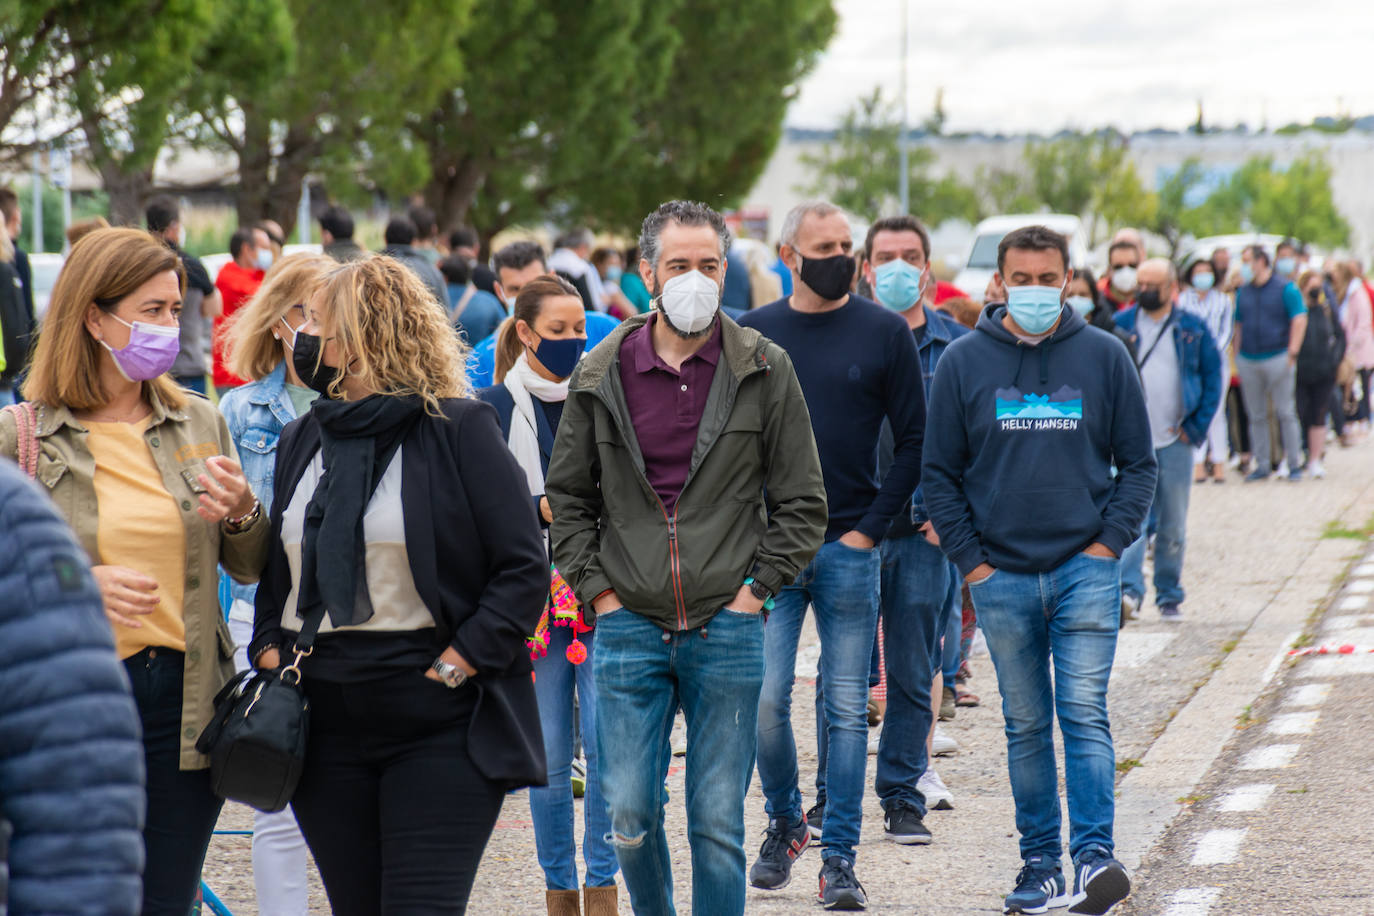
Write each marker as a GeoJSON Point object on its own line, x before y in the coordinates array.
{"type": "Point", "coordinates": [1296, 201]}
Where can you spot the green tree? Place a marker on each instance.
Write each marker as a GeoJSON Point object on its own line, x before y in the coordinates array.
{"type": "Point", "coordinates": [1003, 191]}
{"type": "Point", "coordinates": [1296, 201]}
{"type": "Point", "coordinates": [1172, 215]}
{"type": "Point", "coordinates": [1090, 175]}
{"type": "Point", "coordinates": [859, 169]}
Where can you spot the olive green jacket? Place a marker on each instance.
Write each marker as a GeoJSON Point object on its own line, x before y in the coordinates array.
{"type": "Point", "coordinates": [180, 441]}
{"type": "Point", "coordinates": [753, 504]}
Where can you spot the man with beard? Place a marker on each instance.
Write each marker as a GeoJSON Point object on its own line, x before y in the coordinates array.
{"type": "Point", "coordinates": [686, 492]}
{"type": "Point", "coordinates": [858, 366]}
{"type": "Point", "coordinates": [1180, 369]}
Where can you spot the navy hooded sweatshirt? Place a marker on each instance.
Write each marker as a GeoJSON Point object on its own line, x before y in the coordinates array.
{"type": "Point", "coordinates": [1021, 441]}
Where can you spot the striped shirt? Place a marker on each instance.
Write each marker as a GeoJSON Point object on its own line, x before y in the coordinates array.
{"type": "Point", "coordinates": [1215, 309]}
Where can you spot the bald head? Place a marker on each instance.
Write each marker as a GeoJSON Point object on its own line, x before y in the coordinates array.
{"type": "Point", "coordinates": [1158, 285]}
{"type": "Point", "coordinates": [1131, 237]}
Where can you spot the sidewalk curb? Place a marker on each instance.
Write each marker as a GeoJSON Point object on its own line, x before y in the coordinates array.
{"type": "Point", "coordinates": [1148, 797]}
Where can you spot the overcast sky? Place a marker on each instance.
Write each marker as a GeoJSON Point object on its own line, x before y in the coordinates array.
{"type": "Point", "coordinates": [1013, 65]}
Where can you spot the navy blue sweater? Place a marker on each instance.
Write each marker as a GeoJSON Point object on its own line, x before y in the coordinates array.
{"type": "Point", "coordinates": [1021, 444]}
{"type": "Point", "coordinates": [857, 365]}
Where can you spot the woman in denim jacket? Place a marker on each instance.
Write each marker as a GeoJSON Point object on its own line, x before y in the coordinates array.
{"type": "Point", "coordinates": [260, 349]}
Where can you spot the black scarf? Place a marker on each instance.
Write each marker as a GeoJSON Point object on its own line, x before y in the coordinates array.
{"type": "Point", "coordinates": [358, 440]}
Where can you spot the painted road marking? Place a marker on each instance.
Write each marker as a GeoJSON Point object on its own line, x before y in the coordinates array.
{"type": "Point", "coordinates": [1246, 798]}
{"type": "Point", "coordinates": [1307, 695]}
{"type": "Point", "coordinates": [1359, 586]}
{"type": "Point", "coordinates": [1192, 901]}
{"type": "Point", "coordinates": [1348, 622]}
{"type": "Point", "coordinates": [1135, 650]}
{"type": "Point", "coordinates": [1269, 758]}
{"type": "Point", "coordinates": [1293, 723]}
{"type": "Point", "coordinates": [1331, 665]}
{"type": "Point", "coordinates": [1353, 603]}
{"type": "Point", "coordinates": [1364, 569]}
{"type": "Point", "coordinates": [1218, 847]}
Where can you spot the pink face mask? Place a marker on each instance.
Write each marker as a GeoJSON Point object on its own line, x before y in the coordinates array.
{"type": "Point", "coordinates": [150, 352]}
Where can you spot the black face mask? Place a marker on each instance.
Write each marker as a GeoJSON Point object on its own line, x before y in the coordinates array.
{"type": "Point", "coordinates": [305, 358]}
{"type": "Point", "coordinates": [829, 277]}
{"type": "Point", "coordinates": [1150, 300]}
{"type": "Point", "coordinates": [1314, 296]}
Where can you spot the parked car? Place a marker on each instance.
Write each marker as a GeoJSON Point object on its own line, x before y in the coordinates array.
{"type": "Point", "coordinates": [981, 262]}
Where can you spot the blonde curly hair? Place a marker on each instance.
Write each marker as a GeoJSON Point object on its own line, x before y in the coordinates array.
{"type": "Point", "coordinates": [392, 334]}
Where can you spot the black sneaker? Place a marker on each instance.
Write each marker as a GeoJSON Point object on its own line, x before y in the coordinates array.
{"type": "Point", "coordinates": [1099, 883]}
{"type": "Point", "coordinates": [813, 818]}
{"type": "Point", "coordinates": [840, 890]}
{"type": "Point", "coordinates": [903, 825]}
{"type": "Point", "coordinates": [782, 843]}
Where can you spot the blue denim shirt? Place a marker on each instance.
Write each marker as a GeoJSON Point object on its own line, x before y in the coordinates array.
{"type": "Point", "coordinates": [1199, 366]}
{"type": "Point", "coordinates": [256, 414]}
{"type": "Point", "coordinates": [941, 331]}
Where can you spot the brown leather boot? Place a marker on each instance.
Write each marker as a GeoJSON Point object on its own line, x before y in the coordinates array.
{"type": "Point", "coordinates": [599, 901]}
{"type": "Point", "coordinates": [562, 903]}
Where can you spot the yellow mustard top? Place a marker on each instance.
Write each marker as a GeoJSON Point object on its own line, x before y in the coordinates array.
{"type": "Point", "coordinates": [139, 526]}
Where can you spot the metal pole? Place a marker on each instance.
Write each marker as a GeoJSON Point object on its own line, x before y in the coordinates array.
{"type": "Point", "coordinates": [903, 179]}
{"type": "Point", "coordinates": [303, 213]}
{"type": "Point", "coordinates": [36, 211]}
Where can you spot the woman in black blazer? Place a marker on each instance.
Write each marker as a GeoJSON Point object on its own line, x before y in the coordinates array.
{"type": "Point", "coordinates": [402, 515]}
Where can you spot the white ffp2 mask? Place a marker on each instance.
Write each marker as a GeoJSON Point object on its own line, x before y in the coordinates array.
{"type": "Point", "coordinates": [690, 301]}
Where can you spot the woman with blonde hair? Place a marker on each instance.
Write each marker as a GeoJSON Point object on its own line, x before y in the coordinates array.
{"type": "Point", "coordinates": [404, 534]}
{"type": "Point", "coordinates": [146, 475]}
{"type": "Point", "coordinates": [537, 349]}
{"type": "Point", "coordinates": [260, 341]}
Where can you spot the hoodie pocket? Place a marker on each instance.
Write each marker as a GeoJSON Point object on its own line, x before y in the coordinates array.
{"type": "Point", "coordinates": [1040, 525]}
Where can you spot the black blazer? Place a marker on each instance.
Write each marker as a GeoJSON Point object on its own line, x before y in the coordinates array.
{"type": "Point", "coordinates": [478, 561]}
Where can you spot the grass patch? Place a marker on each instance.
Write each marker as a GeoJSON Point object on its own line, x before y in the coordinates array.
{"type": "Point", "coordinates": [1334, 530]}
{"type": "Point", "coordinates": [1246, 718]}
{"type": "Point", "coordinates": [1189, 800]}
{"type": "Point", "coordinates": [1125, 766]}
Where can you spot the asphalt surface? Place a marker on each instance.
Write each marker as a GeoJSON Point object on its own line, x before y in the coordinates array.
{"type": "Point", "coordinates": [1259, 557]}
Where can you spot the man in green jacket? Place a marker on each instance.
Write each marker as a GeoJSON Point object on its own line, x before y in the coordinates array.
{"type": "Point", "coordinates": [686, 491]}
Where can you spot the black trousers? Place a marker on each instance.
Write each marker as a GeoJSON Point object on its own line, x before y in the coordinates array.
{"type": "Point", "coordinates": [182, 810]}
{"type": "Point", "coordinates": [390, 803]}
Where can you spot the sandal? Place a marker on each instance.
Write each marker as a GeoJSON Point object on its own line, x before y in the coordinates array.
{"type": "Point", "coordinates": [964, 697]}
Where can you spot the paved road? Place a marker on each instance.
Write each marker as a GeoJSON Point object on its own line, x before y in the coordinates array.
{"type": "Point", "coordinates": [1258, 568]}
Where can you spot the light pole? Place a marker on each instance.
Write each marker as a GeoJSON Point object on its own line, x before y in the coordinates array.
{"type": "Point", "coordinates": [903, 178]}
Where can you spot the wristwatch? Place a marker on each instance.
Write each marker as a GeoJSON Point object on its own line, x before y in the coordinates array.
{"type": "Point", "coordinates": [451, 675]}
{"type": "Point", "coordinates": [761, 592]}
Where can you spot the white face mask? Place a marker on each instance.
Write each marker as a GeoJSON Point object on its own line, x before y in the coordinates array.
{"type": "Point", "coordinates": [690, 301]}
{"type": "Point", "coordinates": [1123, 278]}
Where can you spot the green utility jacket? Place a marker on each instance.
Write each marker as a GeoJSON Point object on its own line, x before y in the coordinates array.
{"type": "Point", "coordinates": [180, 441]}
{"type": "Point", "coordinates": [753, 504]}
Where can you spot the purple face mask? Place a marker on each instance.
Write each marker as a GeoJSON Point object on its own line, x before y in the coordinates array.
{"type": "Point", "coordinates": [150, 352]}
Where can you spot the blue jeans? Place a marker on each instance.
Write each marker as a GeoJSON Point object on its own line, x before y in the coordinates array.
{"type": "Point", "coordinates": [954, 628]}
{"type": "Point", "coordinates": [1069, 614]}
{"type": "Point", "coordinates": [643, 675]}
{"type": "Point", "coordinates": [1173, 486]}
{"type": "Point", "coordinates": [841, 583]}
{"type": "Point", "coordinates": [551, 807]}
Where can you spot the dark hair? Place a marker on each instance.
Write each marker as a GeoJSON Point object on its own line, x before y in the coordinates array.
{"type": "Point", "coordinates": [1257, 253]}
{"type": "Point", "coordinates": [426, 227]}
{"type": "Point", "coordinates": [462, 237]}
{"type": "Point", "coordinates": [603, 254]}
{"type": "Point", "coordinates": [1087, 276]}
{"type": "Point", "coordinates": [242, 236]}
{"type": "Point", "coordinates": [1123, 244]}
{"type": "Point", "coordinates": [684, 213]}
{"type": "Point", "coordinates": [1187, 275]}
{"type": "Point", "coordinates": [399, 231]}
{"type": "Point", "coordinates": [9, 203]}
{"type": "Point", "coordinates": [1033, 238]}
{"type": "Point", "coordinates": [161, 212]}
{"type": "Point", "coordinates": [518, 256]}
{"type": "Point", "coordinates": [897, 224]}
{"type": "Point", "coordinates": [456, 269]}
{"type": "Point", "coordinates": [527, 307]}
{"type": "Point", "coordinates": [1298, 247]}
{"type": "Point", "coordinates": [338, 222]}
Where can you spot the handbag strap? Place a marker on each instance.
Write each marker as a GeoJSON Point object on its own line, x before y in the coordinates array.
{"type": "Point", "coordinates": [26, 436]}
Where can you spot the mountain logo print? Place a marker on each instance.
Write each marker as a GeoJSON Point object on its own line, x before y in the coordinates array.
{"type": "Point", "coordinates": [1019, 411]}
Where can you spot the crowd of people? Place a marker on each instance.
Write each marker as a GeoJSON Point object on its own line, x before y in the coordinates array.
{"type": "Point", "coordinates": [539, 506]}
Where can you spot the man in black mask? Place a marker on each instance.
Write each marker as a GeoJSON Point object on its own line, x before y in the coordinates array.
{"type": "Point", "coordinates": [1180, 369]}
{"type": "Point", "coordinates": [858, 367]}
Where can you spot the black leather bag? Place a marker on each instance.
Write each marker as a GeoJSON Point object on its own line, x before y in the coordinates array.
{"type": "Point", "coordinates": [256, 739]}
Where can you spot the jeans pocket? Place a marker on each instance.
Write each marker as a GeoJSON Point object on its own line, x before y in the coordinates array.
{"type": "Point", "coordinates": [1093, 556]}
{"type": "Point", "coordinates": [605, 614]}
{"type": "Point", "coordinates": [747, 615]}
{"type": "Point", "coordinates": [983, 581]}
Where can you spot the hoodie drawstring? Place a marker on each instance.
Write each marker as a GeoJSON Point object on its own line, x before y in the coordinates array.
{"type": "Point", "coordinates": [1020, 360]}
{"type": "Point", "coordinates": [1045, 362]}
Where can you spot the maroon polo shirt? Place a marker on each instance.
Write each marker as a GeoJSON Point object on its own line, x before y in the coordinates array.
{"type": "Point", "coordinates": [666, 405]}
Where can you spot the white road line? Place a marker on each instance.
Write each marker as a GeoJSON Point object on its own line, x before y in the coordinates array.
{"type": "Point", "coordinates": [1337, 623]}
{"type": "Point", "coordinates": [1353, 603]}
{"type": "Point", "coordinates": [1135, 650]}
{"type": "Point", "coordinates": [1269, 758]}
{"type": "Point", "coordinates": [1218, 847]}
{"type": "Point", "coordinates": [1307, 695]}
{"type": "Point", "coordinates": [1246, 798]}
{"type": "Point", "coordinates": [1293, 723]}
{"type": "Point", "coordinates": [1359, 586]}
{"type": "Point", "coordinates": [1331, 665]}
{"type": "Point", "coordinates": [1192, 901]}
{"type": "Point", "coordinates": [1279, 658]}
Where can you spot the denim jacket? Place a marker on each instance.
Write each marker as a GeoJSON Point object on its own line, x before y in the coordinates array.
{"type": "Point", "coordinates": [1199, 366]}
{"type": "Point", "coordinates": [256, 414]}
{"type": "Point", "coordinates": [941, 331]}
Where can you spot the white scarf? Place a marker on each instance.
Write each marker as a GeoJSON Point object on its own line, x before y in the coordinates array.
{"type": "Point", "coordinates": [522, 382]}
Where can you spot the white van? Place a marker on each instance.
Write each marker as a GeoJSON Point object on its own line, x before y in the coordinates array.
{"type": "Point", "coordinates": [981, 263]}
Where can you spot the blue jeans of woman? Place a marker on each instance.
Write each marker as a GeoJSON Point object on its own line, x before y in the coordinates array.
{"type": "Point", "coordinates": [555, 681]}
{"type": "Point", "coordinates": [1068, 616]}
{"type": "Point", "coordinates": [1173, 487]}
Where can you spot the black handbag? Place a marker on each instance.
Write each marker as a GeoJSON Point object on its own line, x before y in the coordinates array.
{"type": "Point", "coordinates": [256, 739]}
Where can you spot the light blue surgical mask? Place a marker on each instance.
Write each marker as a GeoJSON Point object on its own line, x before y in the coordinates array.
{"type": "Point", "coordinates": [1286, 266]}
{"type": "Point", "coordinates": [1035, 309]}
{"type": "Point", "coordinates": [898, 285]}
{"type": "Point", "coordinates": [1247, 272]}
{"type": "Point", "coordinates": [1083, 305]}
{"type": "Point", "coordinates": [264, 258]}
{"type": "Point", "coordinates": [1203, 282]}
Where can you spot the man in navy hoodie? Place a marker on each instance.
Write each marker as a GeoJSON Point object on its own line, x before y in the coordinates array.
{"type": "Point", "coordinates": [1028, 416]}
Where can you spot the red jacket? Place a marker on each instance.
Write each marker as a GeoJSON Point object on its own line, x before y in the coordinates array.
{"type": "Point", "coordinates": [236, 286]}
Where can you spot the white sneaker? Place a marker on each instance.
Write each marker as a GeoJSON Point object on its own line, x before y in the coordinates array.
{"type": "Point", "coordinates": [937, 794]}
{"type": "Point", "coordinates": [943, 745]}
{"type": "Point", "coordinates": [1130, 607]}
{"type": "Point", "coordinates": [1316, 470]}
{"type": "Point", "coordinates": [680, 746]}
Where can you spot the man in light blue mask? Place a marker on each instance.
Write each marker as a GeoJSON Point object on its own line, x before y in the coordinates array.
{"type": "Point", "coordinates": [1028, 417]}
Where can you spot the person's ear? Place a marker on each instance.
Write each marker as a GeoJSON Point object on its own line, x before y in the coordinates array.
{"type": "Point", "coordinates": [786, 252]}
{"type": "Point", "coordinates": [526, 334]}
{"type": "Point", "coordinates": [646, 273]}
{"type": "Point", "coordinates": [870, 277]}
{"type": "Point", "coordinates": [92, 322]}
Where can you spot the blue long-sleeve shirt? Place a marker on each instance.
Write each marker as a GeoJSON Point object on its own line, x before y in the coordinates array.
{"type": "Point", "coordinates": [857, 365]}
